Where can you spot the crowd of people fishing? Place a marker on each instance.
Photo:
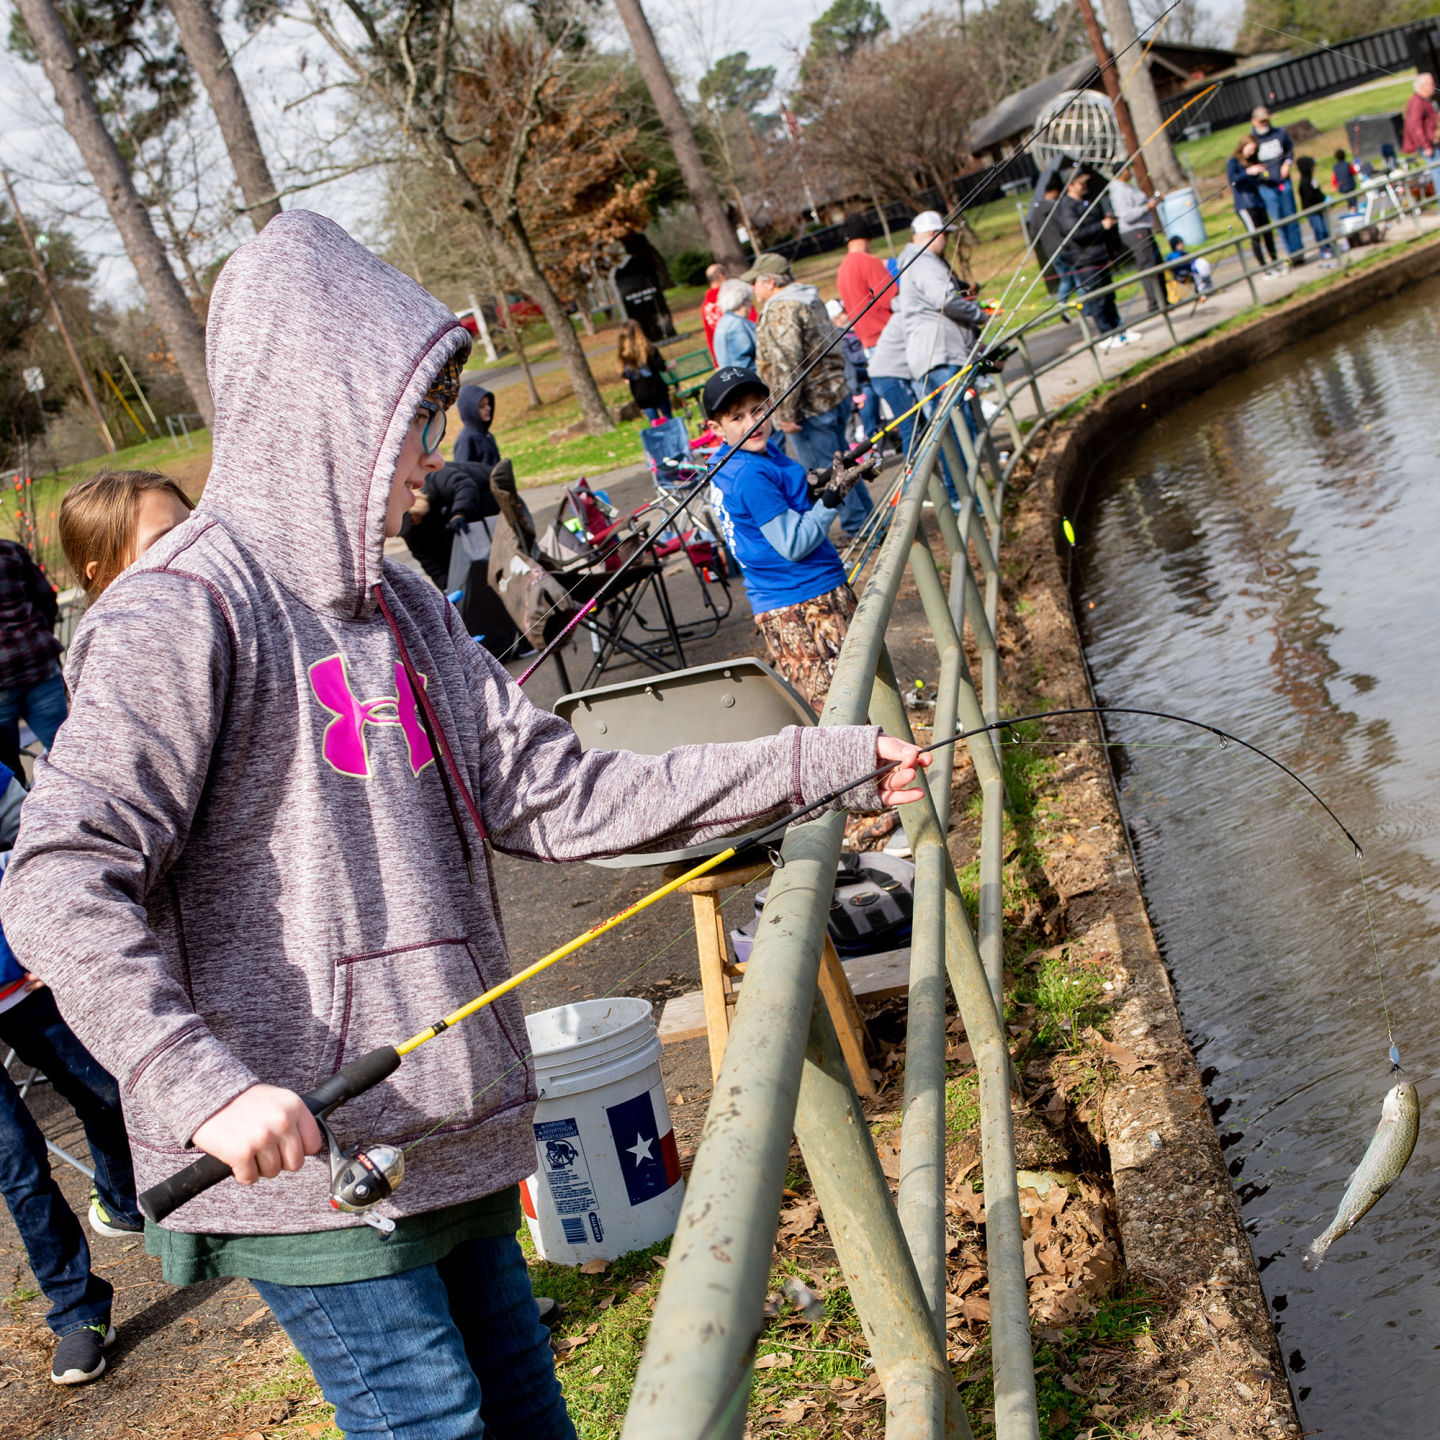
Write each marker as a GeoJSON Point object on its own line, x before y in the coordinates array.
{"type": "Point", "coordinates": [263, 719]}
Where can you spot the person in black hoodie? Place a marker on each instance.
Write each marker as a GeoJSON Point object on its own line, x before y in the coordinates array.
{"type": "Point", "coordinates": [1086, 229]}
{"type": "Point", "coordinates": [454, 498]}
{"type": "Point", "coordinates": [475, 445]}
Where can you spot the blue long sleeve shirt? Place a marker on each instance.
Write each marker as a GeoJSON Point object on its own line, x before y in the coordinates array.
{"type": "Point", "coordinates": [775, 532]}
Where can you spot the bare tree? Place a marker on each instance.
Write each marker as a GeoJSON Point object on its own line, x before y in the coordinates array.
{"type": "Point", "coordinates": [895, 121]}
{"type": "Point", "coordinates": [718, 231]}
{"type": "Point", "coordinates": [177, 320]}
{"type": "Point", "coordinates": [403, 62]}
{"type": "Point", "coordinates": [200, 35]}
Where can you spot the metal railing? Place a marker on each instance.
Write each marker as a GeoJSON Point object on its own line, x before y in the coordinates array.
{"type": "Point", "coordinates": [783, 1071]}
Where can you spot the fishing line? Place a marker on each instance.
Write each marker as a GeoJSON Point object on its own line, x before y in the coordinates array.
{"type": "Point", "coordinates": [1380, 978]}
{"type": "Point", "coordinates": [831, 342]}
{"type": "Point", "coordinates": [1316, 45]}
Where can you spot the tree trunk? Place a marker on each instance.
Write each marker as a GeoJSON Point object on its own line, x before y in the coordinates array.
{"type": "Point", "coordinates": [718, 231]}
{"type": "Point", "coordinates": [502, 308]}
{"type": "Point", "coordinates": [1140, 95]}
{"type": "Point", "coordinates": [182, 331]}
{"type": "Point", "coordinates": [200, 35]}
{"type": "Point", "coordinates": [598, 419]}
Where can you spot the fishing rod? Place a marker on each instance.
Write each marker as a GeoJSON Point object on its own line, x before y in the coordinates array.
{"type": "Point", "coordinates": [362, 1177]}
{"type": "Point", "coordinates": [609, 587]}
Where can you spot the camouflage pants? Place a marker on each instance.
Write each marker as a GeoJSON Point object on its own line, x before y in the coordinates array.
{"type": "Point", "coordinates": [804, 643]}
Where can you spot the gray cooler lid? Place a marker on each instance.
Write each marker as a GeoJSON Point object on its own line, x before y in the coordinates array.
{"type": "Point", "coordinates": [708, 704]}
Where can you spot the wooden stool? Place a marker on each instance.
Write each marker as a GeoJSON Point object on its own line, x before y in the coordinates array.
{"type": "Point", "coordinates": [718, 971]}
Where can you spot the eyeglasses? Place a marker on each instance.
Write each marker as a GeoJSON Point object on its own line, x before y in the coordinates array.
{"type": "Point", "coordinates": [433, 431]}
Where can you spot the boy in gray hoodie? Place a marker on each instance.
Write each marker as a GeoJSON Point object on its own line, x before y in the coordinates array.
{"type": "Point", "coordinates": [259, 848]}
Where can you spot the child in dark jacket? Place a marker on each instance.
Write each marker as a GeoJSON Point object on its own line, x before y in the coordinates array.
{"type": "Point", "coordinates": [475, 445]}
{"type": "Point", "coordinates": [271, 721]}
{"type": "Point", "coordinates": [1310, 194]}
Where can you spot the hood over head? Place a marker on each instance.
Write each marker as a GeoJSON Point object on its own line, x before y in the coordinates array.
{"type": "Point", "coordinates": [469, 407]}
{"type": "Point", "coordinates": [319, 354]}
{"type": "Point", "coordinates": [795, 293]}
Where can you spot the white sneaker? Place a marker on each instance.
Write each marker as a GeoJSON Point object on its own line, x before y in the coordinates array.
{"type": "Point", "coordinates": [1114, 342]}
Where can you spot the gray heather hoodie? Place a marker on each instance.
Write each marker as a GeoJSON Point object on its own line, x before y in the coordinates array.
{"type": "Point", "coordinates": [238, 863]}
{"type": "Point", "coordinates": [928, 299]}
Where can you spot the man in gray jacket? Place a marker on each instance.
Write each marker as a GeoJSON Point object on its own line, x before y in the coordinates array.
{"type": "Point", "coordinates": [942, 325]}
{"type": "Point", "coordinates": [794, 328]}
{"type": "Point", "coordinates": [1135, 216]}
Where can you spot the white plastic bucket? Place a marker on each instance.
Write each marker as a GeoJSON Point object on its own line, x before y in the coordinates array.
{"type": "Point", "coordinates": [607, 1175]}
{"type": "Point", "coordinates": [1179, 214]}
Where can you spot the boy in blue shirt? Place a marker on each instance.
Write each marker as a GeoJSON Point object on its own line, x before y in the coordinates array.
{"type": "Point", "coordinates": [775, 516]}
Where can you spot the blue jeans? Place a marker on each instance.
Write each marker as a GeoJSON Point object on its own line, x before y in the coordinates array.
{"type": "Point", "coordinates": [1280, 202]}
{"type": "Point", "coordinates": [1320, 228]}
{"type": "Point", "coordinates": [1069, 282]}
{"type": "Point", "coordinates": [900, 396]}
{"type": "Point", "coordinates": [933, 379]}
{"type": "Point", "coordinates": [870, 410]}
{"type": "Point", "coordinates": [815, 446]}
{"type": "Point", "coordinates": [41, 706]}
{"type": "Point", "coordinates": [450, 1351]}
{"type": "Point", "coordinates": [53, 1238]}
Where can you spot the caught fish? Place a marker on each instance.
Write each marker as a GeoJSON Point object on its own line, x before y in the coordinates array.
{"type": "Point", "coordinates": [1390, 1150]}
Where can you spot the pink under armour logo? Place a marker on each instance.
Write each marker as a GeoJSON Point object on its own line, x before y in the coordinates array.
{"type": "Point", "coordinates": [344, 744]}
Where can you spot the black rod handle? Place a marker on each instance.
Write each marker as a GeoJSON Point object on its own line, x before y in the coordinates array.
{"type": "Point", "coordinates": [348, 1082]}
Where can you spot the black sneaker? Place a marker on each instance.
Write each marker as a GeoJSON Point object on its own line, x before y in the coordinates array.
{"type": "Point", "coordinates": [80, 1355]}
{"type": "Point", "coordinates": [551, 1311]}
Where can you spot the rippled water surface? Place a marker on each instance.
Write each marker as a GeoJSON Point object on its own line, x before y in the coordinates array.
{"type": "Point", "coordinates": [1267, 557]}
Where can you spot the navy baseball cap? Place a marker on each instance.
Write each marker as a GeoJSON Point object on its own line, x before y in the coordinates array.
{"type": "Point", "coordinates": [729, 380]}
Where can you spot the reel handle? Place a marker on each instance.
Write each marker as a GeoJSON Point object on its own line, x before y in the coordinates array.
{"type": "Point", "coordinates": [351, 1080]}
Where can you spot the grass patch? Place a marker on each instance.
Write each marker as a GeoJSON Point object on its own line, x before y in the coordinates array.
{"type": "Point", "coordinates": [962, 1105]}
{"type": "Point", "coordinates": [607, 1318]}
{"type": "Point", "coordinates": [1066, 996]}
{"type": "Point", "coordinates": [1328, 116]}
{"type": "Point", "coordinates": [21, 1295]}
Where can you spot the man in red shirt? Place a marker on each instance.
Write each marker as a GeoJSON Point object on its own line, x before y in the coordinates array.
{"type": "Point", "coordinates": [710, 306]}
{"type": "Point", "coordinates": [1421, 125]}
{"type": "Point", "coordinates": [862, 275]}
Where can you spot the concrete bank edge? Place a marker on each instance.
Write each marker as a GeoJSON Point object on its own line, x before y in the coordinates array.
{"type": "Point", "coordinates": [1180, 1221]}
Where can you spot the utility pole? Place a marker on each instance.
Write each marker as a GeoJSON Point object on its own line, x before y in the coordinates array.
{"type": "Point", "coordinates": [1106, 61]}
{"type": "Point", "coordinates": [718, 231]}
{"type": "Point", "coordinates": [60, 325]}
{"type": "Point", "coordinates": [1140, 96]}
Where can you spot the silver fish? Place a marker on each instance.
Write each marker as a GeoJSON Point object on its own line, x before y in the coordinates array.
{"type": "Point", "coordinates": [1390, 1150]}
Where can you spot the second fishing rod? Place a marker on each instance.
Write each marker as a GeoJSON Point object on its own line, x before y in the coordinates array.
{"type": "Point", "coordinates": [368, 1174]}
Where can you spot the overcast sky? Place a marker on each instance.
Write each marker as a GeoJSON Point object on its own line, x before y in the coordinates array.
{"type": "Point", "coordinates": [692, 33]}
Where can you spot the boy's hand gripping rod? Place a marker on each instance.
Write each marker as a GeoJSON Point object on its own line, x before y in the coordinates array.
{"type": "Point", "coordinates": [371, 1068]}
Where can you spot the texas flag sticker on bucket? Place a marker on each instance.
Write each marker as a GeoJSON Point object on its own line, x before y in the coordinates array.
{"type": "Point", "coordinates": [649, 1161]}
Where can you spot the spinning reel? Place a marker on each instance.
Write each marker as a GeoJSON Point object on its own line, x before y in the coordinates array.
{"type": "Point", "coordinates": [363, 1177]}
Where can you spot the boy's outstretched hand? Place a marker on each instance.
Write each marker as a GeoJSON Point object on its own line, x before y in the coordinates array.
{"type": "Point", "coordinates": [897, 786]}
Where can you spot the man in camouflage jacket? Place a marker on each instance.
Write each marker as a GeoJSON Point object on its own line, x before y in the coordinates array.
{"type": "Point", "coordinates": [794, 327]}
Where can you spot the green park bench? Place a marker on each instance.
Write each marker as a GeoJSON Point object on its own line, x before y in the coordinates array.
{"type": "Point", "coordinates": [686, 374]}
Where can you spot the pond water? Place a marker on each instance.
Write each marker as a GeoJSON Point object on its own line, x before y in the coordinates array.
{"type": "Point", "coordinates": [1266, 557]}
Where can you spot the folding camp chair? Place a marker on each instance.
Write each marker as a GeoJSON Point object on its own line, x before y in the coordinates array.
{"type": "Point", "coordinates": [581, 550]}
{"type": "Point", "coordinates": [695, 531]}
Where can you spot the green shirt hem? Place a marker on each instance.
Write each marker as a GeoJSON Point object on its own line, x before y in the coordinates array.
{"type": "Point", "coordinates": [334, 1257]}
